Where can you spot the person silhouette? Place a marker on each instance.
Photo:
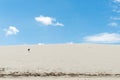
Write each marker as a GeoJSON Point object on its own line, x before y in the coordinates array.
{"type": "Point", "coordinates": [28, 49]}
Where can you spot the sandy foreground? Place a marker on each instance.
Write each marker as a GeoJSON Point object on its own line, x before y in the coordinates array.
{"type": "Point", "coordinates": [66, 58]}
{"type": "Point", "coordinates": [62, 58]}
{"type": "Point", "coordinates": [61, 78]}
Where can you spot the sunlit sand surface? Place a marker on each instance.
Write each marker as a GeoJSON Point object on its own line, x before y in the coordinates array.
{"type": "Point", "coordinates": [64, 58]}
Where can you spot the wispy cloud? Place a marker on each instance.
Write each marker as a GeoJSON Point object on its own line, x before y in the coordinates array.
{"type": "Point", "coordinates": [115, 18]}
{"type": "Point", "coordinates": [48, 21]}
{"type": "Point", "coordinates": [70, 42]}
{"type": "Point", "coordinates": [118, 1]}
{"type": "Point", "coordinates": [103, 38]}
{"type": "Point", "coordinates": [11, 30]}
{"type": "Point", "coordinates": [113, 24]}
{"type": "Point", "coordinates": [41, 44]}
{"type": "Point", "coordinates": [116, 6]}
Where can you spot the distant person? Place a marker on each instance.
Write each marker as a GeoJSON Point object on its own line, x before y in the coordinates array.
{"type": "Point", "coordinates": [28, 49]}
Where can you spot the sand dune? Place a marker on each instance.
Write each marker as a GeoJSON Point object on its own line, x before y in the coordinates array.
{"type": "Point", "coordinates": [81, 58]}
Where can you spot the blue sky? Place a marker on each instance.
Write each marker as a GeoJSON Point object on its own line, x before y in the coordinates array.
{"type": "Point", "coordinates": [59, 21]}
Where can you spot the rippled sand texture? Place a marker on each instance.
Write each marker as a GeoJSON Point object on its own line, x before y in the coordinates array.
{"type": "Point", "coordinates": [60, 78]}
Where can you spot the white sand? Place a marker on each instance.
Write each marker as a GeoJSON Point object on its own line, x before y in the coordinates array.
{"type": "Point", "coordinates": [63, 57]}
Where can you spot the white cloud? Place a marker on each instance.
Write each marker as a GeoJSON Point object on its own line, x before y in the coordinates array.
{"type": "Point", "coordinates": [58, 24]}
{"type": "Point", "coordinates": [116, 9]}
{"type": "Point", "coordinates": [41, 44]}
{"type": "Point", "coordinates": [113, 24]}
{"type": "Point", "coordinates": [118, 1]}
{"type": "Point", "coordinates": [115, 18]}
{"type": "Point", "coordinates": [103, 38]}
{"type": "Point", "coordinates": [116, 6]}
{"type": "Point", "coordinates": [45, 20]}
{"type": "Point", "coordinates": [70, 43]}
{"type": "Point", "coordinates": [12, 30]}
